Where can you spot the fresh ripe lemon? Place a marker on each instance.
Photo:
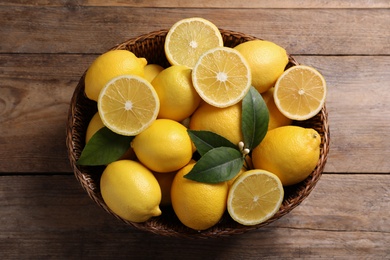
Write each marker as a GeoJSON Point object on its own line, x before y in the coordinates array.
{"type": "Point", "coordinates": [178, 98]}
{"type": "Point", "coordinates": [189, 38]}
{"type": "Point", "coordinates": [94, 125]}
{"type": "Point", "coordinates": [290, 152]}
{"type": "Point", "coordinates": [128, 104]}
{"type": "Point", "coordinates": [198, 205]}
{"type": "Point", "coordinates": [108, 66]}
{"type": "Point", "coordinates": [267, 61]}
{"type": "Point", "coordinates": [130, 190]}
{"type": "Point", "coordinates": [222, 77]}
{"type": "Point", "coordinates": [254, 197]}
{"type": "Point", "coordinates": [223, 121]}
{"type": "Point", "coordinates": [151, 71]}
{"type": "Point", "coordinates": [165, 146]}
{"type": "Point", "coordinates": [165, 180]}
{"type": "Point", "coordinates": [276, 118]}
{"type": "Point", "coordinates": [300, 92]}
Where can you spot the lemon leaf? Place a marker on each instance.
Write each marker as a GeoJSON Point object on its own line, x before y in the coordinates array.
{"type": "Point", "coordinates": [255, 118]}
{"type": "Point", "coordinates": [104, 147]}
{"type": "Point", "coordinates": [217, 165]}
{"type": "Point", "coordinates": [206, 140]}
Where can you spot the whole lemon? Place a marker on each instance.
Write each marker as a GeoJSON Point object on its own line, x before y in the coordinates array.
{"type": "Point", "coordinates": [165, 146]}
{"type": "Point", "coordinates": [276, 118]}
{"type": "Point", "coordinates": [165, 180]}
{"type": "Point", "coordinates": [151, 71]}
{"type": "Point", "coordinates": [94, 125]}
{"type": "Point", "coordinates": [290, 152]}
{"type": "Point", "coordinates": [198, 205]}
{"type": "Point", "coordinates": [178, 97]}
{"type": "Point", "coordinates": [109, 65]}
{"type": "Point", "coordinates": [130, 190]}
{"type": "Point", "coordinates": [267, 61]}
{"type": "Point", "coordinates": [223, 121]}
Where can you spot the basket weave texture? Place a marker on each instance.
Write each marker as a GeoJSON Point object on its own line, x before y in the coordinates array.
{"type": "Point", "coordinates": [151, 47]}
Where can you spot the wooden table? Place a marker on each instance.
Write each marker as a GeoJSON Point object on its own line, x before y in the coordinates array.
{"type": "Point", "coordinates": [45, 47]}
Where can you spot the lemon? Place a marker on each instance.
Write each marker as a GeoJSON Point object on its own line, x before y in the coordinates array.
{"type": "Point", "coordinates": [267, 61]}
{"type": "Point", "coordinates": [300, 92]}
{"type": "Point", "coordinates": [178, 98]}
{"type": "Point", "coordinates": [165, 146]}
{"type": "Point", "coordinates": [189, 38]}
{"type": "Point", "coordinates": [165, 180]}
{"type": "Point", "coordinates": [255, 197]}
{"type": "Point", "coordinates": [223, 121]}
{"type": "Point", "coordinates": [290, 152]}
{"type": "Point", "coordinates": [128, 104]}
{"type": "Point", "coordinates": [151, 71]}
{"type": "Point", "coordinates": [94, 125]}
{"type": "Point", "coordinates": [222, 77]}
{"type": "Point", "coordinates": [276, 118]}
{"type": "Point", "coordinates": [130, 190]}
{"type": "Point", "coordinates": [108, 66]}
{"type": "Point", "coordinates": [198, 205]}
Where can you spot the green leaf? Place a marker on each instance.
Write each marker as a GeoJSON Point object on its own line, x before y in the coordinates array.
{"type": "Point", "coordinates": [207, 140]}
{"type": "Point", "coordinates": [255, 118]}
{"type": "Point", "coordinates": [104, 147]}
{"type": "Point", "coordinates": [217, 165]}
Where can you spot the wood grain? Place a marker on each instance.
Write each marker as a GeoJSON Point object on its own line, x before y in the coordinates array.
{"type": "Point", "coordinates": [52, 216]}
{"type": "Point", "coordinates": [36, 91]}
{"type": "Point", "coordinates": [212, 4]}
{"type": "Point", "coordinates": [94, 29]}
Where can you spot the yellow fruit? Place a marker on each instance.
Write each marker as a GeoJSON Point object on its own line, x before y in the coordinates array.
{"type": "Point", "coordinates": [300, 92]}
{"type": "Point", "coordinates": [130, 190]}
{"type": "Point", "coordinates": [290, 152]}
{"type": "Point", "coordinates": [223, 121]}
{"type": "Point", "coordinates": [267, 61]}
{"type": "Point", "coordinates": [222, 77]}
{"type": "Point", "coordinates": [165, 146]}
{"type": "Point", "coordinates": [108, 66]}
{"type": "Point", "coordinates": [165, 180]}
{"type": "Point", "coordinates": [255, 197]}
{"type": "Point", "coordinates": [151, 71]}
{"type": "Point", "coordinates": [189, 38]}
{"type": "Point", "coordinates": [178, 98]}
{"type": "Point", "coordinates": [94, 125]}
{"type": "Point", "coordinates": [276, 118]}
{"type": "Point", "coordinates": [198, 205]}
{"type": "Point", "coordinates": [128, 104]}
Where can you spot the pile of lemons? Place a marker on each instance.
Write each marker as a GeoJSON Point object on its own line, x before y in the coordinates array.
{"type": "Point", "coordinates": [202, 90]}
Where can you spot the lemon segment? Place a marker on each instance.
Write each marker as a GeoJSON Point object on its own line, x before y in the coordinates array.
{"type": "Point", "coordinates": [300, 92]}
{"type": "Point", "coordinates": [222, 77]}
{"type": "Point", "coordinates": [189, 38]}
{"type": "Point", "coordinates": [255, 197]}
{"type": "Point", "coordinates": [128, 104]}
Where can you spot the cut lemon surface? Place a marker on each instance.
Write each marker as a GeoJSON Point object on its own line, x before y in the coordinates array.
{"type": "Point", "coordinates": [189, 38]}
{"type": "Point", "coordinates": [300, 92]}
{"type": "Point", "coordinates": [222, 77]}
{"type": "Point", "coordinates": [254, 197]}
{"type": "Point", "coordinates": [128, 104]}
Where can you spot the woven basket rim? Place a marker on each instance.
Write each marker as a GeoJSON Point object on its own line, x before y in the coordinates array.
{"type": "Point", "coordinates": [87, 176]}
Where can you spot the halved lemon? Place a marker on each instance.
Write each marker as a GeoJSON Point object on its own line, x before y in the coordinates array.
{"type": "Point", "coordinates": [222, 77]}
{"type": "Point", "coordinates": [300, 92]}
{"type": "Point", "coordinates": [128, 104]}
{"type": "Point", "coordinates": [255, 196]}
{"type": "Point", "coordinates": [189, 38]}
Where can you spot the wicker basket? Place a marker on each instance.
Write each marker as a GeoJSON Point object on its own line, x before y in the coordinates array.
{"type": "Point", "coordinates": [151, 46]}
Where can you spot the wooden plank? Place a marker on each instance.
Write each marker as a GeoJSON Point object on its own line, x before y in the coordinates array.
{"type": "Point", "coordinates": [52, 216]}
{"type": "Point", "coordinates": [36, 90]}
{"type": "Point", "coordinates": [212, 4]}
{"type": "Point", "coordinates": [95, 29]}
